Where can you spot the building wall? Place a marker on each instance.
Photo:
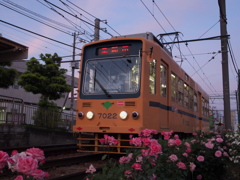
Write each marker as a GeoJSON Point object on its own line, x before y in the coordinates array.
{"type": "Point", "coordinates": [18, 92]}
{"type": "Point", "coordinates": [22, 136]}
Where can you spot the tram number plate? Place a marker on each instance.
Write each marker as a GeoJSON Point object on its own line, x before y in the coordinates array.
{"type": "Point", "coordinates": [107, 115]}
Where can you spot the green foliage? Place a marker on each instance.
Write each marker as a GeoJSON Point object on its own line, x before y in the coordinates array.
{"type": "Point", "coordinates": [206, 156]}
{"type": "Point", "coordinates": [47, 117]}
{"type": "Point", "coordinates": [7, 76]}
{"type": "Point", "coordinates": [46, 79]}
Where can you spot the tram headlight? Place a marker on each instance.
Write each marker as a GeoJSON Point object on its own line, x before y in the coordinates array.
{"type": "Point", "coordinates": [80, 115]}
{"type": "Point", "coordinates": [90, 114]}
{"type": "Point", "coordinates": [123, 114]}
{"type": "Point", "coordinates": [135, 114]}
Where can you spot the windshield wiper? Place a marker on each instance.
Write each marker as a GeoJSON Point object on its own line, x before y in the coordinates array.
{"type": "Point", "coordinates": [102, 88]}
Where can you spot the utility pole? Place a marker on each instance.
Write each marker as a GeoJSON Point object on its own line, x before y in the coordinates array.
{"type": "Point", "coordinates": [73, 69]}
{"type": "Point", "coordinates": [238, 97]}
{"type": "Point", "coordinates": [225, 73]}
{"type": "Point", "coordinates": [96, 29]}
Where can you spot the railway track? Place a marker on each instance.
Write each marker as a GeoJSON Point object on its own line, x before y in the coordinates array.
{"type": "Point", "coordinates": [64, 162]}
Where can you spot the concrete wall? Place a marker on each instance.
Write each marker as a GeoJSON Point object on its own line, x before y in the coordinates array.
{"type": "Point", "coordinates": [21, 136]}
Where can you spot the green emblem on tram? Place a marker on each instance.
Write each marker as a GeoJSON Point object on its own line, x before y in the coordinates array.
{"type": "Point", "coordinates": [107, 104]}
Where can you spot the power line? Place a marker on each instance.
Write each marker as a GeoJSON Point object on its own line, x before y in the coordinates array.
{"type": "Point", "coordinates": [37, 34]}
{"type": "Point", "coordinates": [93, 16]}
{"type": "Point", "coordinates": [185, 44]}
{"type": "Point", "coordinates": [37, 15]}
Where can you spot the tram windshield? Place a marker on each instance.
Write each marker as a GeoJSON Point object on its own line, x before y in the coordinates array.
{"type": "Point", "coordinates": [111, 76]}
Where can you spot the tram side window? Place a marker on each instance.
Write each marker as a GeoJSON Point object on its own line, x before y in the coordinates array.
{"type": "Point", "coordinates": [163, 80]}
{"type": "Point", "coordinates": [195, 99]}
{"type": "Point", "coordinates": [207, 108]}
{"type": "Point", "coordinates": [174, 87]}
{"type": "Point", "coordinates": [152, 77]}
{"type": "Point", "coordinates": [186, 95]}
{"type": "Point", "coordinates": [191, 98]}
{"type": "Point", "coordinates": [180, 92]}
{"type": "Point", "coordinates": [204, 107]}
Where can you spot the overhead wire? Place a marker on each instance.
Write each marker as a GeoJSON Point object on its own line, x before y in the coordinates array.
{"type": "Point", "coordinates": [37, 34]}
{"type": "Point", "coordinates": [23, 32]}
{"type": "Point", "coordinates": [93, 16]}
{"type": "Point", "coordinates": [76, 16]}
{"type": "Point", "coordinates": [15, 6]}
{"type": "Point", "coordinates": [180, 50]}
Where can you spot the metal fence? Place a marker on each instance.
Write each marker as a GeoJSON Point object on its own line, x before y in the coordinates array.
{"type": "Point", "coordinates": [15, 111]}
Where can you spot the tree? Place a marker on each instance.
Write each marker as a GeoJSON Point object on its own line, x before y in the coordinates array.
{"type": "Point", "coordinates": [7, 76]}
{"type": "Point", "coordinates": [46, 79]}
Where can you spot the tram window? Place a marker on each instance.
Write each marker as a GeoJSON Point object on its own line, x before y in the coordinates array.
{"type": "Point", "coordinates": [174, 87]}
{"type": "Point", "coordinates": [203, 106]}
{"type": "Point", "coordinates": [180, 92]}
{"type": "Point", "coordinates": [191, 98]}
{"type": "Point", "coordinates": [163, 80]}
{"type": "Point", "coordinates": [186, 95]}
{"type": "Point", "coordinates": [207, 108]}
{"type": "Point", "coordinates": [195, 102]}
{"type": "Point", "coordinates": [152, 77]}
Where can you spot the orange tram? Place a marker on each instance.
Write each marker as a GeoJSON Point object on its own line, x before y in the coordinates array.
{"type": "Point", "coordinates": [130, 83]}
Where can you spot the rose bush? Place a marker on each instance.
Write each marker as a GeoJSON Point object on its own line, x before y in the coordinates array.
{"type": "Point", "coordinates": [25, 163]}
{"type": "Point", "coordinates": [208, 156]}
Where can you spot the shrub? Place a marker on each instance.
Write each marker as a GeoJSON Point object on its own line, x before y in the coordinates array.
{"type": "Point", "coordinates": [208, 156]}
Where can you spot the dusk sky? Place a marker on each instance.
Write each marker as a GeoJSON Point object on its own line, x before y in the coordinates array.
{"type": "Point", "coordinates": [194, 19]}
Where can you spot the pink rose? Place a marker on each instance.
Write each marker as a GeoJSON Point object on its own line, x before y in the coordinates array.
{"type": "Point", "coordinates": [155, 149]}
{"type": "Point", "coordinates": [14, 152]}
{"type": "Point", "coordinates": [139, 159]}
{"type": "Point", "coordinates": [36, 153]}
{"type": "Point", "coordinates": [188, 150]}
{"type": "Point", "coordinates": [3, 159]}
{"type": "Point", "coordinates": [219, 140]}
{"type": "Point", "coordinates": [137, 166]}
{"type": "Point", "coordinates": [146, 141]}
{"type": "Point", "coordinates": [192, 166]}
{"type": "Point", "coordinates": [136, 141]}
{"type": "Point", "coordinates": [166, 137]}
{"type": "Point", "coordinates": [124, 160]}
{"type": "Point", "coordinates": [19, 178]}
{"type": "Point", "coordinates": [218, 153]}
{"type": "Point", "coordinates": [27, 165]}
{"type": "Point", "coordinates": [225, 154]}
{"type": "Point", "coordinates": [176, 136]}
{"type": "Point", "coordinates": [102, 141]}
{"type": "Point", "coordinates": [173, 158]}
{"type": "Point", "coordinates": [39, 174]}
{"type": "Point", "coordinates": [128, 173]}
{"type": "Point", "coordinates": [145, 152]}
{"type": "Point", "coordinates": [181, 165]}
{"type": "Point", "coordinates": [200, 158]}
{"type": "Point", "coordinates": [178, 142]}
{"type": "Point", "coordinates": [209, 145]}
{"type": "Point", "coordinates": [171, 142]}
{"type": "Point", "coordinates": [187, 144]}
